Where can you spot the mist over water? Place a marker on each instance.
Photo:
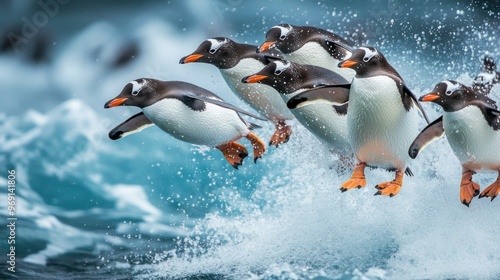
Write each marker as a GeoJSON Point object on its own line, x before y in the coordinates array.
{"type": "Point", "coordinates": [149, 206]}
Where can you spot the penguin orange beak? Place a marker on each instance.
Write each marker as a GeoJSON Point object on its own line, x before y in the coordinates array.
{"type": "Point", "coordinates": [115, 102]}
{"type": "Point", "coordinates": [347, 64]}
{"type": "Point", "coordinates": [266, 46]}
{"type": "Point", "coordinates": [253, 79]}
{"type": "Point", "coordinates": [190, 58]}
{"type": "Point", "coordinates": [429, 97]}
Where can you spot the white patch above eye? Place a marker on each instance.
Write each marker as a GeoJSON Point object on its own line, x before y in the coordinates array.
{"type": "Point", "coordinates": [368, 53]}
{"type": "Point", "coordinates": [284, 30]}
{"type": "Point", "coordinates": [451, 87]}
{"type": "Point", "coordinates": [281, 66]}
{"type": "Point", "coordinates": [215, 45]}
{"type": "Point", "coordinates": [136, 87]}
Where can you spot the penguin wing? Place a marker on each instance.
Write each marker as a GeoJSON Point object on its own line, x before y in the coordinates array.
{"type": "Point", "coordinates": [338, 50]}
{"type": "Point", "coordinates": [432, 132]}
{"type": "Point", "coordinates": [132, 125]}
{"type": "Point", "coordinates": [409, 99]}
{"type": "Point", "coordinates": [223, 104]}
{"type": "Point", "coordinates": [332, 94]}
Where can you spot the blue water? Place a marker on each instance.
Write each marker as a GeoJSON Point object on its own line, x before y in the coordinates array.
{"type": "Point", "coordinates": [149, 206]}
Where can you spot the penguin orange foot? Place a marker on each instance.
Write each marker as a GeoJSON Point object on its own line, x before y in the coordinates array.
{"type": "Point", "coordinates": [281, 135]}
{"type": "Point", "coordinates": [234, 153]}
{"type": "Point", "coordinates": [468, 188]}
{"type": "Point", "coordinates": [357, 179]}
{"type": "Point", "coordinates": [259, 148]}
{"type": "Point", "coordinates": [492, 190]}
{"type": "Point", "coordinates": [390, 188]}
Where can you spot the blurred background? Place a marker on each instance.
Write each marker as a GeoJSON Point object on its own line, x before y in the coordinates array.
{"type": "Point", "coordinates": [150, 206]}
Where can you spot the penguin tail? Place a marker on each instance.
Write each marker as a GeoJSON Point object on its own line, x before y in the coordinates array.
{"type": "Point", "coordinates": [408, 172]}
{"type": "Point", "coordinates": [252, 126]}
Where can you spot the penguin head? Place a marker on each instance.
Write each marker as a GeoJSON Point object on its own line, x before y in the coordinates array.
{"type": "Point", "coordinates": [140, 93]}
{"type": "Point", "coordinates": [279, 74]}
{"type": "Point", "coordinates": [451, 95]}
{"type": "Point", "coordinates": [364, 59]}
{"type": "Point", "coordinates": [484, 81]}
{"type": "Point", "coordinates": [489, 64]}
{"type": "Point", "coordinates": [219, 51]}
{"type": "Point", "coordinates": [281, 36]}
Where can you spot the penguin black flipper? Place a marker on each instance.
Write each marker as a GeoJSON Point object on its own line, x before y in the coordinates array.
{"type": "Point", "coordinates": [492, 116]}
{"type": "Point", "coordinates": [132, 125]}
{"type": "Point", "coordinates": [223, 104]}
{"type": "Point", "coordinates": [332, 94]}
{"type": "Point", "coordinates": [432, 132]}
{"type": "Point", "coordinates": [337, 49]}
{"type": "Point", "coordinates": [409, 98]}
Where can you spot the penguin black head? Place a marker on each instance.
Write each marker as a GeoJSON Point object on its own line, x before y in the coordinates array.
{"type": "Point", "coordinates": [453, 96]}
{"type": "Point", "coordinates": [364, 59]}
{"type": "Point", "coordinates": [281, 36]}
{"type": "Point", "coordinates": [282, 75]}
{"type": "Point", "coordinates": [489, 64]}
{"type": "Point", "coordinates": [140, 93]}
{"type": "Point", "coordinates": [219, 51]}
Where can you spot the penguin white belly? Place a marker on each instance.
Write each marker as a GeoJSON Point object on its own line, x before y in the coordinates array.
{"type": "Point", "coordinates": [262, 98]}
{"type": "Point", "coordinates": [380, 129]}
{"type": "Point", "coordinates": [473, 141]}
{"type": "Point", "coordinates": [213, 126]}
{"type": "Point", "coordinates": [322, 120]}
{"type": "Point", "coordinates": [314, 54]}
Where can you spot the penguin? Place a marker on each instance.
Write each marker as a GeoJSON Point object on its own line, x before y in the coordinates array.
{"type": "Point", "coordinates": [235, 60]}
{"type": "Point", "coordinates": [188, 113]}
{"type": "Point", "coordinates": [382, 119]}
{"type": "Point", "coordinates": [488, 77]}
{"type": "Point", "coordinates": [310, 45]}
{"type": "Point", "coordinates": [471, 122]}
{"type": "Point", "coordinates": [289, 78]}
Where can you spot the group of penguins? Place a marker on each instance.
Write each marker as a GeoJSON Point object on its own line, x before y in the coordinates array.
{"type": "Point", "coordinates": [351, 98]}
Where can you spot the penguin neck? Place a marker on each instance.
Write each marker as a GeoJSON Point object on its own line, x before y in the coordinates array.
{"type": "Point", "coordinates": [250, 51]}
{"type": "Point", "coordinates": [382, 67]}
{"type": "Point", "coordinates": [236, 53]}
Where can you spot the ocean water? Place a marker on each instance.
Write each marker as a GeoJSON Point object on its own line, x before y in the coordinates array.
{"type": "Point", "coordinates": [151, 207]}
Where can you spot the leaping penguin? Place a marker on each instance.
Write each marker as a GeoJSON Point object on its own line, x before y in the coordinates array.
{"type": "Point", "coordinates": [235, 61]}
{"type": "Point", "coordinates": [471, 122]}
{"type": "Point", "coordinates": [188, 113]}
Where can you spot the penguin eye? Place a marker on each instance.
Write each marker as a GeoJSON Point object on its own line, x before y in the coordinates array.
{"type": "Point", "coordinates": [136, 87]}
{"type": "Point", "coordinates": [278, 72]}
{"type": "Point", "coordinates": [212, 51]}
{"type": "Point", "coordinates": [366, 59]}
{"type": "Point", "coordinates": [448, 92]}
{"type": "Point", "coordinates": [282, 37]}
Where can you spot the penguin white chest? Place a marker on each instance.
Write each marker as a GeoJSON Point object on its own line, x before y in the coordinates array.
{"type": "Point", "coordinates": [379, 127]}
{"type": "Point", "coordinates": [262, 98]}
{"type": "Point", "coordinates": [473, 141]}
{"type": "Point", "coordinates": [314, 54]}
{"type": "Point", "coordinates": [212, 126]}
